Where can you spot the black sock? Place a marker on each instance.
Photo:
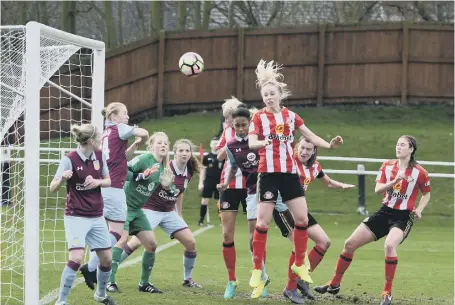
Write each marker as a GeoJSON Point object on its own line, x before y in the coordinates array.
{"type": "Point", "coordinates": [203, 212]}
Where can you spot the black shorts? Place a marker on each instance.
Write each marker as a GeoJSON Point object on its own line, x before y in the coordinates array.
{"type": "Point", "coordinates": [269, 184]}
{"type": "Point", "coordinates": [210, 189]}
{"type": "Point", "coordinates": [285, 221]}
{"type": "Point", "coordinates": [230, 199]}
{"type": "Point", "coordinates": [381, 222]}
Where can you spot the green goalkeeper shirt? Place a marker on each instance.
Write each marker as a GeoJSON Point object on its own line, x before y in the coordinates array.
{"type": "Point", "coordinates": [137, 192]}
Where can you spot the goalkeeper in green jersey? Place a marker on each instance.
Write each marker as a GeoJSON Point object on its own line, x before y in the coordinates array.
{"type": "Point", "coordinates": [145, 173]}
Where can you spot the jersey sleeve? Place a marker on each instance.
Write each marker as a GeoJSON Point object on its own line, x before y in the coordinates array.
{"type": "Point", "coordinates": [222, 142]}
{"type": "Point", "coordinates": [231, 158]}
{"type": "Point", "coordinates": [424, 184]}
{"type": "Point", "coordinates": [125, 131]}
{"type": "Point", "coordinates": [380, 178]}
{"type": "Point", "coordinates": [255, 125]}
{"type": "Point", "coordinates": [298, 121]}
{"type": "Point", "coordinates": [105, 171]}
{"type": "Point", "coordinates": [139, 163]}
{"type": "Point", "coordinates": [65, 164]}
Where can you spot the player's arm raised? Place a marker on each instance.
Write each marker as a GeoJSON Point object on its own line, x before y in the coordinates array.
{"type": "Point", "coordinates": [336, 184]}
{"type": "Point", "coordinates": [318, 141]}
{"type": "Point", "coordinates": [64, 172]}
{"type": "Point", "coordinates": [142, 136]}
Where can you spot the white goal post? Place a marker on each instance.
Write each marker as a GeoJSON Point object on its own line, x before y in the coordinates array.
{"type": "Point", "coordinates": [31, 56]}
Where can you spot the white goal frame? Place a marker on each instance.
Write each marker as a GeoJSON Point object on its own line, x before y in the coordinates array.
{"type": "Point", "coordinates": [34, 31]}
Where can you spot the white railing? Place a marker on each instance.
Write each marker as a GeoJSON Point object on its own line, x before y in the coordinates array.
{"type": "Point", "coordinates": [5, 152]}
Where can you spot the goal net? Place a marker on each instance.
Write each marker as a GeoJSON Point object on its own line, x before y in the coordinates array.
{"type": "Point", "coordinates": [49, 80]}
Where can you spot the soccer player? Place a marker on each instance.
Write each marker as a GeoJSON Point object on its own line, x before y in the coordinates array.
{"type": "Point", "coordinates": [114, 143]}
{"type": "Point", "coordinates": [164, 209]}
{"type": "Point", "coordinates": [309, 169]}
{"type": "Point", "coordinates": [209, 178]}
{"type": "Point", "coordinates": [145, 173]}
{"type": "Point", "coordinates": [240, 156]}
{"type": "Point", "coordinates": [272, 133]}
{"type": "Point", "coordinates": [400, 181]}
{"type": "Point", "coordinates": [85, 172]}
{"type": "Point", "coordinates": [235, 195]}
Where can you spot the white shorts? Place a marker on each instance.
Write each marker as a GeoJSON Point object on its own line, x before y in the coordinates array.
{"type": "Point", "coordinates": [80, 231]}
{"type": "Point", "coordinates": [170, 222]}
{"type": "Point", "coordinates": [251, 207]}
{"type": "Point", "coordinates": [280, 206]}
{"type": "Point", "coordinates": [115, 208]}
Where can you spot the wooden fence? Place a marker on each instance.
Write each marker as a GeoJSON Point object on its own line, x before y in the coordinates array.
{"type": "Point", "coordinates": [391, 63]}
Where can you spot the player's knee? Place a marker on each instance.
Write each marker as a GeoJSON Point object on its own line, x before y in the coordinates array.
{"type": "Point", "coordinates": [190, 245]}
{"type": "Point", "coordinates": [76, 259]}
{"type": "Point", "coordinates": [76, 256]}
{"type": "Point", "coordinates": [350, 246]}
{"type": "Point", "coordinates": [301, 220]}
{"type": "Point", "coordinates": [150, 246]}
{"type": "Point", "coordinates": [389, 247]}
{"type": "Point", "coordinates": [228, 237]}
{"type": "Point", "coordinates": [324, 244]}
{"type": "Point", "coordinates": [107, 262]}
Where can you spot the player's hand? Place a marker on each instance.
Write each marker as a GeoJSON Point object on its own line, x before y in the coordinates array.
{"type": "Point", "coordinates": [201, 187]}
{"type": "Point", "coordinates": [67, 175]}
{"type": "Point", "coordinates": [336, 142]}
{"type": "Point", "coordinates": [150, 171]}
{"type": "Point", "coordinates": [91, 183]}
{"type": "Point", "coordinates": [137, 141]}
{"type": "Point", "coordinates": [399, 177]}
{"type": "Point", "coordinates": [166, 178]}
{"type": "Point", "coordinates": [266, 142]}
{"type": "Point", "coordinates": [221, 187]}
{"type": "Point", "coordinates": [347, 186]}
{"type": "Point", "coordinates": [417, 213]}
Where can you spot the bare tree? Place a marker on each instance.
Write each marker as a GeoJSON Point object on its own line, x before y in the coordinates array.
{"type": "Point", "coordinates": [157, 17]}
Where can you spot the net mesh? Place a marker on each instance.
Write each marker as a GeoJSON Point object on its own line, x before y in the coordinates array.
{"type": "Point", "coordinates": [66, 90]}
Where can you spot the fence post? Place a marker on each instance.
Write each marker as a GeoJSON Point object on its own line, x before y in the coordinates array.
{"type": "Point", "coordinates": [240, 62]}
{"type": "Point", "coordinates": [321, 59]}
{"type": "Point", "coordinates": [361, 185]}
{"type": "Point", "coordinates": [160, 91]}
{"type": "Point", "coordinates": [404, 64]}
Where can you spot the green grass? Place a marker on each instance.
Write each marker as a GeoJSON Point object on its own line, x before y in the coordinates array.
{"type": "Point", "coordinates": [425, 271]}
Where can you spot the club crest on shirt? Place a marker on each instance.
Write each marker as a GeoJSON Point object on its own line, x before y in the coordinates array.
{"type": "Point", "coordinates": [151, 186]}
{"type": "Point", "coordinates": [96, 165]}
{"type": "Point", "coordinates": [397, 186]}
{"type": "Point", "coordinates": [251, 156]}
{"type": "Point", "coordinates": [279, 128]}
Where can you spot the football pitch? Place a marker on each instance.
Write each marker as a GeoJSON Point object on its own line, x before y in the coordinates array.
{"type": "Point", "coordinates": [426, 265]}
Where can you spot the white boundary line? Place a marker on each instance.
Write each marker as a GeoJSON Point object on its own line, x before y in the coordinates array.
{"type": "Point", "coordinates": [52, 296]}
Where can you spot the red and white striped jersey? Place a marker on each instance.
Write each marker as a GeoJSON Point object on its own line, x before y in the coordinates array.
{"type": "Point", "coordinates": [239, 182]}
{"type": "Point", "coordinates": [280, 128]}
{"type": "Point", "coordinates": [307, 175]}
{"type": "Point", "coordinates": [403, 195]}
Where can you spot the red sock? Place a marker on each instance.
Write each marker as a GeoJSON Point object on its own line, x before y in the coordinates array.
{"type": "Point", "coordinates": [342, 264]}
{"type": "Point", "coordinates": [229, 259]}
{"type": "Point", "coordinates": [391, 263]}
{"type": "Point", "coordinates": [300, 243]}
{"type": "Point", "coordinates": [259, 241]}
{"type": "Point", "coordinates": [315, 256]}
{"type": "Point", "coordinates": [292, 278]}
